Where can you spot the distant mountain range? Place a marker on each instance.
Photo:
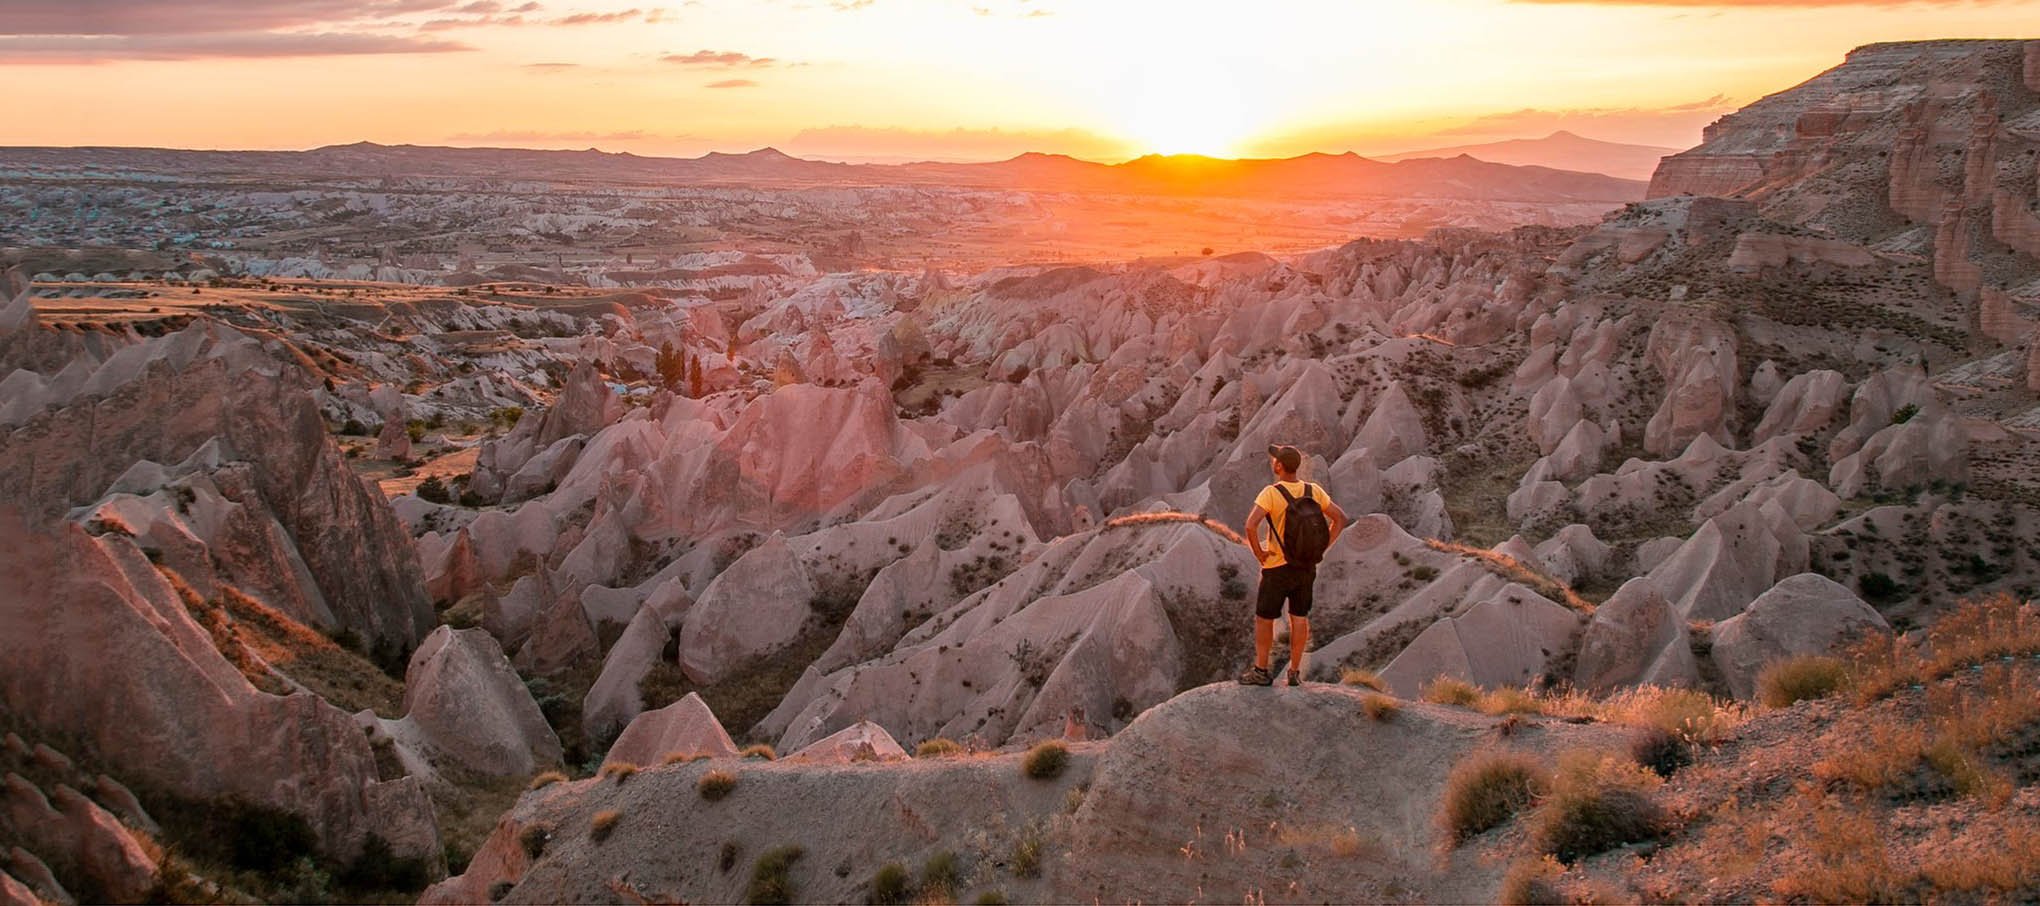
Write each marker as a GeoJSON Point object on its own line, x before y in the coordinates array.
{"type": "Point", "coordinates": [1309, 176]}
{"type": "Point", "coordinates": [1560, 150]}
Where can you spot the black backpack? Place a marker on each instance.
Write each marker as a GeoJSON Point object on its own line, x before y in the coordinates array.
{"type": "Point", "coordinates": [1305, 532]}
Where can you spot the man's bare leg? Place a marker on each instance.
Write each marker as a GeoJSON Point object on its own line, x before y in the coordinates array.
{"type": "Point", "coordinates": [1264, 641]}
{"type": "Point", "coordinates": [1299, 641]}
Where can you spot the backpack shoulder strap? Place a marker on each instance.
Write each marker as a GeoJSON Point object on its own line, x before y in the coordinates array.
{"type": "Point", "coordinates": [1286, 498]}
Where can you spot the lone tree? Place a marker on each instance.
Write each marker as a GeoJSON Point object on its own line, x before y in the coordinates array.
{"type": "Point", "coordinates": [694, 383]}
{"type": "Point", "coordinates": [671, 365]}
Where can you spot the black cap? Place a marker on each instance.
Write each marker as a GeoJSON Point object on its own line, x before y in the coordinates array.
{"type": "Point", "coordinates": [1290, 457]}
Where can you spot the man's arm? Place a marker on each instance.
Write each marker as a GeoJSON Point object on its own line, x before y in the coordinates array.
{"type": "Point", "coordinates": [1253, 533]}
{"type": "Point", "coordinates": [1338, 519]}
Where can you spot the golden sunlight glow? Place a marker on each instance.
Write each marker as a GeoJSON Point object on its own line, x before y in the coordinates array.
{"type": "Point", "coordinates": [1181, 109]}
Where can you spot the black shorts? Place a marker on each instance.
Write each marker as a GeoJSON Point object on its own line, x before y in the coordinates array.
{"type": "Point", "coordinates": [1287, 582]}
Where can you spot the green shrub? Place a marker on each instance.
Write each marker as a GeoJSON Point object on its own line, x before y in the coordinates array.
{"type": "Point", "coordinates": [1596, 804]}
{"type": "Point", "coordinates": [1803, 678]}
{"type": "Point", "coordinates": [772, 877]}
{"type": "Point", "coordinates": [1487, 789]}
{"type": "Point", "coordinates": [714, 785]}
{"type": "Point", "coordinates": [940, 877]}
{"type": "Point", "coordinates": [938, 747]}
{"type": "Point", "coordinates": [1046, 760]}
{"type": "Point", "coordinates": [893, 885]}
{"type": "Point", "coordinates": [434, 490]}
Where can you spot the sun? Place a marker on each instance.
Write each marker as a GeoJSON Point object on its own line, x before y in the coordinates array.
{"type": "Point", "coordinates": [1189, 113]}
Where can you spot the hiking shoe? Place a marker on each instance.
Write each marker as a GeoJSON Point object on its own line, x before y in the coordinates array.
{"type": "Point", "coordinates": [1296, 677]}
{"type": "Point", "coordinates": [1255, 676]}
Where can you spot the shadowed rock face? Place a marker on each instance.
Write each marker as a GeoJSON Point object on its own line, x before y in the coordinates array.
{"type": "Point", "coordinates": [165, 399]}
{"type": "Point", "coordinates": [123, 666]}
{"type": "Point", "coordinates": [204, 451]}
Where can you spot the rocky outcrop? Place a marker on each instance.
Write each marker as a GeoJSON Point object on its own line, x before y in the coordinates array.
{"type": "Point", "coordinates": [1803, 614]}
{"type": "Point", "coordinates": [685, 728]}
{"type": "Point", "coordinates": [171, 683]}
{"type": "Point", "coordinates": [464, 707]}
{"type": "Point", "coordinates": [1636, 638]}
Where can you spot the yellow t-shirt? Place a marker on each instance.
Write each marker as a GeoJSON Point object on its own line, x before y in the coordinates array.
{"type": "Point", "coordinates": [1270, 500]}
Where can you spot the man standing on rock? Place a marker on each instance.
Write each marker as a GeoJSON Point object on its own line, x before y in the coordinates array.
{"type": "Point", "coordinates": [1305, 522]}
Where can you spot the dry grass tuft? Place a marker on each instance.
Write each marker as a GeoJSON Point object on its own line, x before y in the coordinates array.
{"type": "Point", "coordinates": [1365, 678]}
{"type": "Point", "coordinates": [603, 824]}
{"type": "Point", "coordinates": [1046, 760]}
{"type": "Point", "coordinates": [939, 747]}
{"type": "Point", "coordinates": [1693, 715]}
{"type": "Point", "coordinates": [1597, 802]}
{"type": "Point", "coordinates": [1446, 690]}
{"type": "Point", "coordinates": [1784, 683]}
{"type": "Point", "coordinates": [1532, 882]}
{"type": "Point", "coordinates": [714, 785]}
{"type": "Point", "coordinates": [546, 779]}
{"type": "Point", "coordinates": [687, 757]}
{"type": "Point", "coordinates": [1380, 708]}
{"type": "Point", "coordinates": [1509, 700]}
{"type": "Point", "coordinates": [1972, 633]}
{"type": "Point", "coordinates": [621, 772]}
{"type": "Point", "coordinates": [761, 750]}
{"type": "Point", "coordinates": [1487, 789]}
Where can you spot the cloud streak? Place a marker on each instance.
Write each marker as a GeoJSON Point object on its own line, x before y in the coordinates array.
{"type": "Point", "coordinates": [719, 59]}
{"type": "Point", "coordinates": [91, 49]}
{"type": "Point", "coordinates": [199, 17]}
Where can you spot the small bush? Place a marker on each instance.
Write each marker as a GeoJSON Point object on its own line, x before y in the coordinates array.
{"type": "Point", "coordinates": [434, 490]}
{"type": "Point", "coordinates": [603, 823]}
{"type": "Point", "coordinates": [621, 771]}
{"type": "Point", "coordinates": [772, 877]}
{"type": "Point", "coordinates": [991, 898]}
{"type": "Point", "coordinates": [533, 839]}
{"type": "Point", "coordinates": [940, 877]}
{"type": "Point", "coordinates": [1509, 701]}
{"type": "Point", "coordinates": [761, 750]}
{"type": "Point", "coordinates": [1487, 789]}
{"type": "Point", "coordinates": [1446, 690]}
{"type": "Point", "coordinates": [893, 885]}
{"type": "Point", "coordinates": [546, 779]}
{"type": "Point", "coordinates": [714, 785]}
{"type": "Point", "coordinates": [1782, 683]}
{"type": "Point", "coordinates": [1027, 855]}
{"type": "Point", "coordinates": [1532, 882]}
{"type": "Point", "coordinates": [938, 747]}
{"type": "Point", "coordinates": [499, 890]}
{"type": "Point", "coordinates": [1046, 760]}
{"type": "Point", "coordinates": [1596, 804]}
{"type": "Point", "coordinates": [686, 757]}
{"type": "Point", "coordinates": [1379, 707]}
{"type": "Point", "coordinates": [1661, 750]}
{"type": "Point", "coordinates": [1364, 678]}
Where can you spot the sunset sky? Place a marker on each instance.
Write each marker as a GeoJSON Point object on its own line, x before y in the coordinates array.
{"type": "Point", "coordinates": [915, 79]}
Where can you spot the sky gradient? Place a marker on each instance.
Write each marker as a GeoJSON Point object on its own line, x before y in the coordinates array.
{"type": "Point", "coordinates": [922, 79]}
